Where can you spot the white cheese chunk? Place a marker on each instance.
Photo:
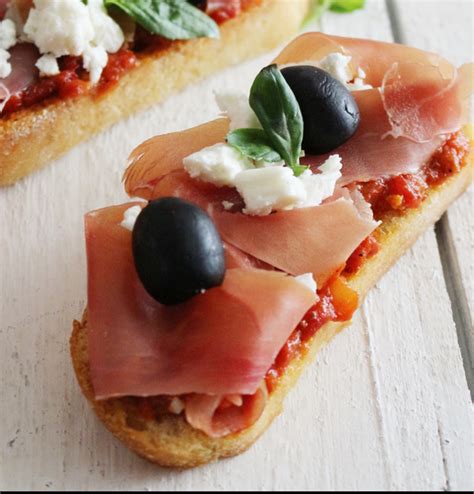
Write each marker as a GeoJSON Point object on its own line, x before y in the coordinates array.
{"type": "Point", "coordinates": [60, 27]}
{"type": "Point", "coordinates": [176, 405]}
{"type": "Point", "coordinates": [48, 65]}
{"type": "Point", "coordinates": [218, 164]}
{"type": "Point", "coordinates": [236, 107]}
{"type": "Point", "coordinates": [308, 281]}
{"type": "Point", "coordinates": [94, 59]}
{"type": "Point", "coordinates": [130, 217]}
{"type": "Point", "coordinates": [7, 34]}
{"type": "Point", "coordinates": [264, 189]}
{"type": "Point", "coordinates": [5, 66]}
{"type": "Point", "coordinates": [269, 189]}
{"type": "Point", "coordinates": [321, 185]}
{"type": "Point", "coordinates": [339, 66]}
{"type": "Point", "coordinates": [70, 27]}
{"type": "Point", "coordinates": [107, 33]}
{"type": "Point", "coordinates": [276, 188]}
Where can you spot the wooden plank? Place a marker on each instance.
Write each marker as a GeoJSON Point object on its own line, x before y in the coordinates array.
{"type": "Point", "coordinates": [364, 417]}
{"type": "Point", "coordinates": [414, 23]}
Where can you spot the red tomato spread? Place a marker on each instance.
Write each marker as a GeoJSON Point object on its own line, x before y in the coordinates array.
{"type": "Point", "coordinates": [409, 190]}
{"type": "Point", "coordinates": [71, 82]}
{"type": "Point", "coordinates": [367, 249]}
{"type": "Point", "coordinates": [337, 302]}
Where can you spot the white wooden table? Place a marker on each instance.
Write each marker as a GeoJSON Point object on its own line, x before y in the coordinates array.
{"type": "Point", "coordinates": [386, 406]}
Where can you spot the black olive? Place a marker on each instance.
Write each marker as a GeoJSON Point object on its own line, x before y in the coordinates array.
{"type": "Point", "coordinates": [177, 250]}
{"type": "Point", "coordinates": [330, 114]}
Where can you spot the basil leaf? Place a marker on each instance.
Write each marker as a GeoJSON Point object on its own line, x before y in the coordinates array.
{"type": "Point", "coordinates": [346, 5]}
{"type": "Point", "coordinates": [318, 7]}
{"type": "Point", "coordinates": [275, 105]}
{"type": "Point", "coordinates": [172, 19]}
{"type": "Point", "coordinates": [254, 144]}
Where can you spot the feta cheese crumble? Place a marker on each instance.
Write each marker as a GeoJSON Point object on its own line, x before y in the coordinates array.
{"type": "Point", "coordinates": [48, 65]}
{"type": "Point", "coordinates": [321, 185]}
{"type": "Point", "coordinates": [218, 164]}
{"type": "Point", "coordinates": [60, 27]}
{"type": "Point", "coordinates": [264, 189]}
{"type": "Point", "coordinates": [7, 34]}
{"type": "Point", "coordinates": [66, 27]}
{"type": "Point", "coordinates": [269, 189]}
{"type": "Point", "coordinates": [236, 107]}
{"type": "Point", "coordinates": [130, 217]}
{"type": "Point", "coordinates": [276, 188]}
{"type": "Point", "coordinates": [308, 281]}
{"type": "Point", "coordinates": [176, 405]}
{"type": "Point", "coordinates": [339, 66]}
{"type": "Point", "coordinates": [5, 66]}
{"type": "Point", "coordinates": [7, 40]}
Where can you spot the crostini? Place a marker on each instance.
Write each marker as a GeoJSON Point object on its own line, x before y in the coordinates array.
{"type": "Point", "coordinates": [258, 236]}
{"type": "Point", "coordinates": [68, 70]}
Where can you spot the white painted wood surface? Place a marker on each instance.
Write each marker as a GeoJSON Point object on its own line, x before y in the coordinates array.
{"type": "Point", "coordinates": [386, 406]}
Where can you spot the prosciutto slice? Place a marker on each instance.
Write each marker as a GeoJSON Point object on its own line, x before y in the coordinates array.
{"type": "Point", "coordinates": [218, 343]}
{"type": "Point", "coordinates": [3, 8]}
{"type": "Point", "coordinates": [308, 240]}
{"type": "Point", "coordinates": [418, 97]}
{"type": "Point", "coordinates": [163, 154]}
{"type": "Point", "coordinates": [315, 240]}
{"type": "Point", "coordinates": [368, 155]}
{"type": "Point", "coordinates": [376, 58]}
{"type": "Point", "coordinates": [205, 412]}
{"type": "Point", "coordinates": [23, 59]}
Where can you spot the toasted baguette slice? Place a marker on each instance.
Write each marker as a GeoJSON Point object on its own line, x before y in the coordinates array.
{"type": "Point", "coordinates": [172, 442]}
{"type": "Point", "coordinates": [32, 137]}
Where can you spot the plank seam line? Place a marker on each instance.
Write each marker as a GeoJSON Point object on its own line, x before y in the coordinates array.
{"type": "Point", "coordinates": [378, 401]}
{"type": "Point", "coordinates": [447, 484]}
{"type": "Point", "coordinates": [457, 295]}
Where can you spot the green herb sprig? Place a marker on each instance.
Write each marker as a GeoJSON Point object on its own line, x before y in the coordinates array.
{"type": "Point", "coordinates": [279, 114]}
{"type": "Point", "coordinates": [172, 19]}
{"type": "Point", "coordinates": [318, 7]}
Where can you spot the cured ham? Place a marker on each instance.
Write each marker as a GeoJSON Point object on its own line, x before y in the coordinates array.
{"type": "Point", "coordinates": [421, 101]}
{"type": "Point", "coordinates": [417, 98]}
{"type": "Point", "coordinates": [3, 8]}
{"type": "Point", "coordinates": [179, 184]}
{"type": "Point", "coordinates": [205, 412]}
{"type": "Point", "coordinates": [367, 156]}
{"type": "Point", "coordinates": [163, 154]}
{"type": "Point", "coordinates": [297, 242]}
{"type": "Point", "coordinates": [375, 58]}
{"type": "Point", "coordinates": [19, 9]}
{"type": "Point", "coordinates": [23, 59]}
{"type": "Point", "coordinates": [314, 240]}
{"type": "Point", "coordinates": [220, 342]}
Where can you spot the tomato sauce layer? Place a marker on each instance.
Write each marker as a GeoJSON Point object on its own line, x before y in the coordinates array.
{"type": "Point", "coordinates": [71, 82]}
{"type": "Point", "coordinates": [408, 191]}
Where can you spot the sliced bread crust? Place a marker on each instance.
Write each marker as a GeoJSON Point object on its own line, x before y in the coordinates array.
{"type": "Point", "coordinates": [32, 137]}
{"type": "Point", "coordinates": [172, 442]}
